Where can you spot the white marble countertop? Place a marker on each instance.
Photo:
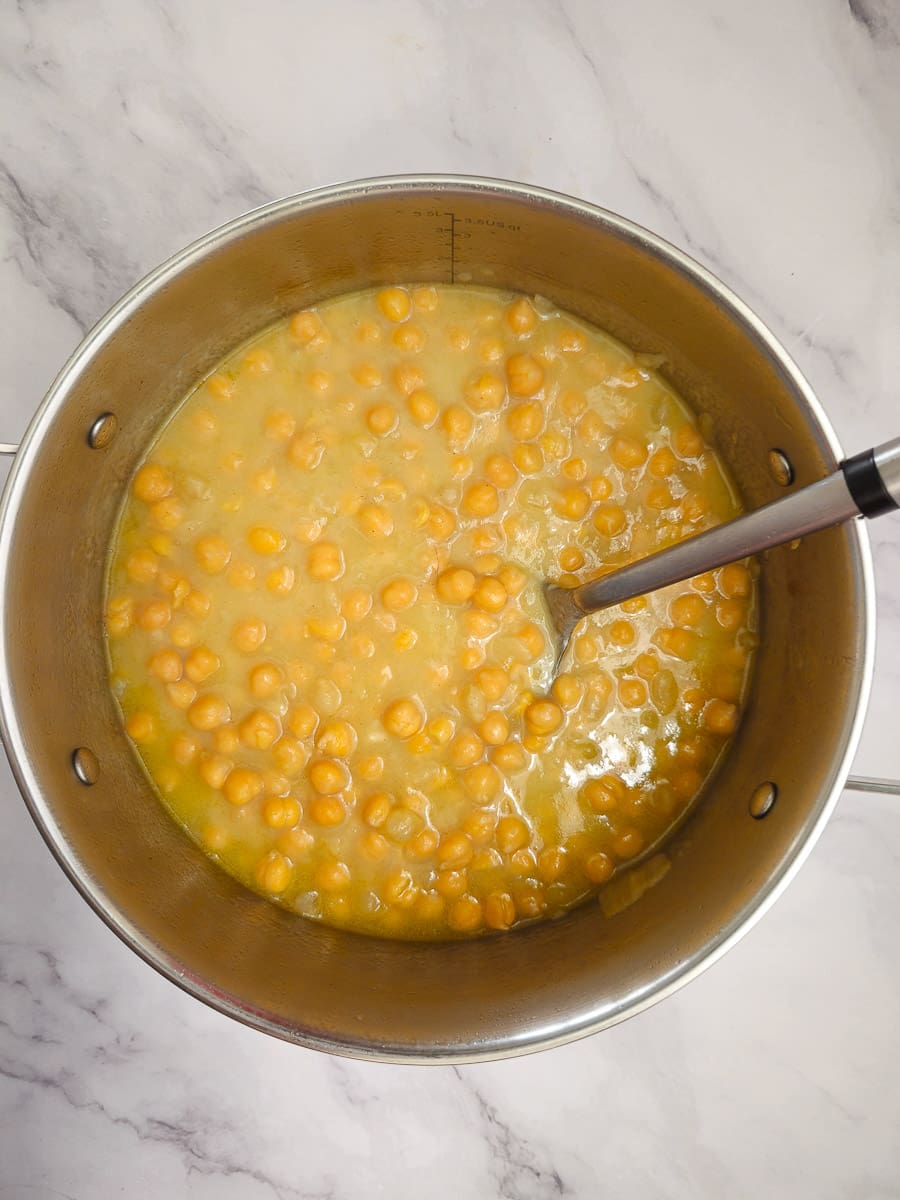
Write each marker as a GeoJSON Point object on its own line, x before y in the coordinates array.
{"type": "Point", "coordinates": [761, 138]}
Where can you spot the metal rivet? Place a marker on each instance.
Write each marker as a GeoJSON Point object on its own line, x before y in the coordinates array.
{"type": "Point", "coordinates": [86, 766]}
{"type": "Point", "coordinates": [103, 430]}
{"type": "Point", "coordinates": [763, 800]}
{"type": "Point", "coordinates": [780, 468]}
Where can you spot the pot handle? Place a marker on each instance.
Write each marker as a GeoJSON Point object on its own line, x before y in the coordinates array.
{"type": "Point", "coordinates": [866, 783]}
{"type": "Point", "coordinates": [9, 448]}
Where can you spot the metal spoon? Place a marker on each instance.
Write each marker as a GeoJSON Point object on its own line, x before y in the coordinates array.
{"type": "Point", "coordinates": [866, 485]}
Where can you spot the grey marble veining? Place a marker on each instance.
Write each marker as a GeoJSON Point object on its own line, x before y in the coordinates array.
{"type": "Point", "coordinates": [761, 138]}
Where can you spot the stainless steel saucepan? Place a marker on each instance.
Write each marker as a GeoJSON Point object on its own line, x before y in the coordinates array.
{"type": "Point", "coordinates": [338, 991]}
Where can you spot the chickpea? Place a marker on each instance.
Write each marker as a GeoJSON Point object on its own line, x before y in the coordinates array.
{"type": "Point", "coordinates": [521, 317]}
{"type": "Point", "coordinates": [152, 483]}
{"type": "Point", "coordinates": [394, 303]}
{"type": "Point", "coordinates": [598, 867]}
{"type": "Point", "coordinates": [532, 639]}
{"type": "Point", "coordinates": [485, 393]}
{"type": "Point", "coordinates": [265, 679]}
{"type": "Point", "coordinates": [628, 453]}
{"type": "Point", "coordinates": [500, 470]}
{"type": "Point", "coordinates": [628, 843]}
{"type": "Point", "coordinates": [325, 561]}
{"type": "Point", "coordinates": [567, 691]}
{"type": "Point", "coordinates": [398, 594]}
{"type": "Point", "coordinates": [482, 781]}
{"type": "Point", "coordinates": [166, 665]}
{"type": "Point", "coordinates": [274, 873]}
{"type": "Point", "coordinates": [280, 812]}
{"type": "Point", "coordinates": [721, 717]}
{"type": "Point", "coordinates": [209, 711]}
{"type": "Point", "coordinates": [494, 728]}
{"type": "Point", "coordinates": [305, 450]}
{"type": "Point", "coordinates": [524, 375]}
{"type": "Point", "coordinates": [289, 755]}
{"type": "Point", "coordinates": [543, 717]}
{"type": "Point", "coordinates": [513, 579]}
{"type": "Point", "coordinates": [480, 499]}
{"type": "Point", "coordinates": [280, 581]}
{"type": "Point", "coordinates": [425, 299]}
{"type": "Point", "coordinates": [259, 730]}
{"type": "Point", "coordinates": [336, 738]}
{"type": "Point", "coordinates": [242, 786]}
{"type": "Point", "coordinates": [181, 693]}
{"type": "Point", "coordinates": [403, 718]}
{"type": "Point", "coordinates": [734, 580]}
{"type": "Point", "coordinates": [328, 777]}
{"type": "Point", "coordinates": [490, 595]}
{"type": "Point", "coordinates": [423, 408]}
{"type": "Point", "coordinates": [408, 378]}
{"type": "Point", "coordinates": [687, 609]}
{"type": "Point", "coordinates": [457, 424]}
{"type": "Point", "coordinates": [572, 503]}
{"type": "Point", "coordinates": [455, 585]}
{"type": "Point", "coordinates": [200, 664]}
{"type": "Point", "coordinates": [141, 727]}
{"type": "Point", "coordinates": [375, 521]}
{"type": "Point", "coordinates": [465, 914]}
{"type": "Point", "coordinates": [377, 809]}
{"type": "Point", "coordinates": [455, 850]}
{"type": "Point", "coordinates": [510, 757]}
{"type": "Point", "coordinates": [512, 834]}
{"type": "Point", "coordinates": [688, 442]}
{"type": "Point", "coordinates": [306, 326]}
{"type": "Point", "coordinates": [302, 720]}
{"type": "Point", "coordinates": [621, 633]}
{"type": "Point", "coordinates": [633, 692]}
{"type": "Point", "coordinates": [213, 554]}
{"type": "Point", "coordinates": [265, 540]}
{"type": "Point", "coordinates": [249, 634]}
{"type": "Point", "coordinates": [528, 459]}
{"type": "Point", "coordinates": [610, 520]}
{"type": "Point", "coordinates": [382, 419]}
{"type": "Point", "coordinates": [409, 338]}
{"type": "Point", "coordinates": [184, 749]}
{"type": "Point", "coordinates": [214, 769]}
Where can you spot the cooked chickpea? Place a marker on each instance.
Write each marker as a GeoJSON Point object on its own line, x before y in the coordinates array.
{"type": "Point", "coordinates": [455, 585]}
{"type": "Point", "coordinates": [306, 326]}
{"type": "Point", "coordinates": [249, 634]}
{"type": "Point", "coordinates": [259, 730]}
{"type": "Point", "coordinates": [567, 690]}
{"type": "Point", "coordinates": [610, 520]}
{"type": "Point", "coordinates": [265, 540]}
{"type": "Point", "coordinates": [200, 664]}
{"type": "Point", "coordinates": [572, 503]}
{"type": "Point", "coordinates": [512, 834]}
{"type": "Point", "coordinates": [325, 561]}
{"type": "Point", "coordinates": [721, 717]}
{"type": "Point", "coordinates": [482, 782]}
{"type": "Point", "coordinates": [485, 393]}
{"type": "Point", "coordinates": [524, 375]}
{"type": "Point", "coordinates": [265, 679]}
{"type": "Point", "coordinates": [528, 459]}
{"type": "Point", "coordinates": [493, 728]}
{"type": "Point", "coordinates": [500, 470]}
{"type": "Point", "coordinates": [213, 554]}
{"type": "Point", "coordinates": [141, 727]}
{"type": "Point", "coordinates": [336, 738]}
{"type": "Point", "coordinates": [687, 609]}
{"type": "Point", "coordinates": [375, 520]}
{"type": "Point", "coordinates": [328, 777]}
{"type": "Point", "coordinates": [598, 867]}
{"type": "Point", "coordinates": [543, 717]}
{"type": "Point", "coordinates": [403, 718]}
{"type": "Point", "coordinates": [423, 408]}
{"type": "Point", "coordinates": [490, 595]}
{"type": "Point", "coordinates": [281, 812]}
{"type": "Point", "coordinates": [480, 499]}
{"type": "Point", "coordinates": [398, 594]}
{"type": "Point", "coordinates": [242, 786]}
{"type": "Point", "coordinates": [382, 419]}
{"type": "Point", "coordinates": [152, 483]}
{"type": "Point", "coordinates": [166, 665]}
{"type": "Point", "coordinates": [209, 711]}
{"type": "Point", "coordinates": [394, 303]}
{"type": "Point", "coordinates": [274, 873]}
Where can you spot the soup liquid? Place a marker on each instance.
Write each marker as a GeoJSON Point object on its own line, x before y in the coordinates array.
{"type": "Point", "coordinates": [325, 625]}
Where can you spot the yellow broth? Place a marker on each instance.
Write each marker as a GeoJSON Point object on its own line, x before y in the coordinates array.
{"type": "Point", "coordinates": [325, 626]}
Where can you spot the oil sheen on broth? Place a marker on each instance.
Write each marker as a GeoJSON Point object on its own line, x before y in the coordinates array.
{"type": "Point", "coordinates": [325, 628]}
